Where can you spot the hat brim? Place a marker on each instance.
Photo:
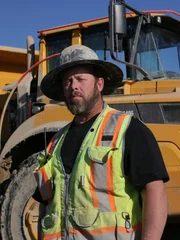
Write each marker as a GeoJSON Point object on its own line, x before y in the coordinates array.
{"type": "Point", "coordinates": [51, 84]}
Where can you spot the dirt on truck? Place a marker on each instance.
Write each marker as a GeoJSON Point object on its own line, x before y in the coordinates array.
{"type": "Point", "coordinates": [146, 45]}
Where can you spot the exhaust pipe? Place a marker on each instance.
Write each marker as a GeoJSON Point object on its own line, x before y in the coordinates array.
{"type": "Point", "coordinates": [30, 52]}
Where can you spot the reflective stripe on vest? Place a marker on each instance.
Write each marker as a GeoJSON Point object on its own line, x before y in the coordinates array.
{"type": "Point", "coordinates": [102, 178]}
{"type": "Point", "coordinates": [44, 183]}
{"type": "Point", "coordinates": [53, 236]}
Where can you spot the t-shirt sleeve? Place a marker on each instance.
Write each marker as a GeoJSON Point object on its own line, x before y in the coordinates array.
{"type": "Point", "coordinates": [143, 161]}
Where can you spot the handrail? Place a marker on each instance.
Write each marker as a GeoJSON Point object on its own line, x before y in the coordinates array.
{"type": "Point", "coordinates": [162, 11]}
{"type": "Point", "coordinates": [15, 86]}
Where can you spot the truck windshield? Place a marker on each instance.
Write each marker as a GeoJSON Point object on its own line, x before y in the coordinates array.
{"type": "Point", "coordinates": [158, 49]}
{"type": "Point", "coordinates": [95, 38]}
{"type": "Point", "coordinates": [55, 44]}
{"type": "Point", "coordinates": [158, 53]}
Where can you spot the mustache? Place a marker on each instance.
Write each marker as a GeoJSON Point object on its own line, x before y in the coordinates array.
{"type": "Point", "coordinates": [76, 94]}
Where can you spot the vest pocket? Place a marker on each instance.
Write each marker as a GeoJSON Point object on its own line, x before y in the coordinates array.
{"type": "Point", "coordinates": [100, 154]}
{"type": "Point", "coordinates": [101, 172]}
{"type": "Point", "coordinates": [85, 217]}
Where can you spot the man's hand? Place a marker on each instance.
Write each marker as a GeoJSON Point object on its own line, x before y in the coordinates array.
{"type": "Point", "coordinates": [154, 210]}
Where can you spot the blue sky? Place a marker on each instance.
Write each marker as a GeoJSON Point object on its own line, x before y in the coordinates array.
{"type": "Point", "coordinates": [19, 18]}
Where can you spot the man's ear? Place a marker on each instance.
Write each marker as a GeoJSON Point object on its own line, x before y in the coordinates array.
{"type": "Point", "coordinates": [100, 84]}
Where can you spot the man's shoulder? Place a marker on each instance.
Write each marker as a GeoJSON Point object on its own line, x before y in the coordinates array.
{"type": "Point", "coordinates": [136, 125]}
{"type": "Point", "coordinates": [61, 131]}
{"type": "Point", "coordinates": [139, 134]}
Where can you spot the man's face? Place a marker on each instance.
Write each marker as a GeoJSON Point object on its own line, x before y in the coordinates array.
{"type": "Point", "coordinates": [81, 90]}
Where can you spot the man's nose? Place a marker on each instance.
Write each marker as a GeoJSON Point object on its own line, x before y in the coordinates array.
{"type": "Point", "coordinates": [74, 83]}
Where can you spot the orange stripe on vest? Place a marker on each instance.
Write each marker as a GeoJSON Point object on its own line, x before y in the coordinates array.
{"type": "Point", "coordinates": [53, 235]}
{"type": "Point", "coordinates": [92, 190]}
{"type": "Point", "coordinates": [103, 126]}
{"type": "Point", "coordinates": [46, 181]}
{"type": "Point", "coordinates": [117, 129]}
{"type": "Point", "coordinates": [49, 148]}
{"type": "Point", "coordinates": [105, 230]}
{"type": "Point", "coordinates": [110, 182]}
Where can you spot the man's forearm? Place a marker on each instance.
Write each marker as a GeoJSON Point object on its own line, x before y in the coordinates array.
{"type": "Point", "coordinates": [154, 211]}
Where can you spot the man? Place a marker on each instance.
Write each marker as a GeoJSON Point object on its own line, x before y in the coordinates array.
{"type": "Point", "coordinates": [100, 165]}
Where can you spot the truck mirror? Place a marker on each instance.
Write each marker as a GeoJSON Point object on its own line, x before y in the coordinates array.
{"type": "Point", "coordinates": [120, 20]}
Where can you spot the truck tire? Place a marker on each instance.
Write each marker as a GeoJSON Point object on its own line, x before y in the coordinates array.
{"type": "Point", "coordinates": [15, 211]}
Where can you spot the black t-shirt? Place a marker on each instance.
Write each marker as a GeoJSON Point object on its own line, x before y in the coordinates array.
{"type": "Point", "coordinates": [142, 158]}
{"type": "Point", "coordinates": [74, 139]}
{"type": "Point", "coordinates": [143, 161]}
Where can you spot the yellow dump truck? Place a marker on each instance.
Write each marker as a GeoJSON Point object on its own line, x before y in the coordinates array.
{"type": "Point", "coordinates": [146, 45]}
{"type": "Point", "coordinates": [13, 63]}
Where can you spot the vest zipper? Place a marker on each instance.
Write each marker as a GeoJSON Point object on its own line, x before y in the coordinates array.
{"type": "Point", "coordinates": [66, 204]}
{"type": "Point", "coordinates": [66, 200]}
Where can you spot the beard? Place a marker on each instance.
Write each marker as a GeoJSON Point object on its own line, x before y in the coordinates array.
{"type": "Point", "coordinates": [83, 107]}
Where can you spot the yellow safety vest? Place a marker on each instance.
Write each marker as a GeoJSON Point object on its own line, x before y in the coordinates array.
{"type": "Point", "coordinates": [96, 201]}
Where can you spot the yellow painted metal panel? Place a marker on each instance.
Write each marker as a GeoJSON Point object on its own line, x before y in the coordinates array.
{"type": "Point", "coordinates": [76, 37]}
{"type": "Point", "coordinates": [52, 113]}
{"type": "Point", "coordinates": [166, 132]}
{"type": "Point", "coordinates": [10, 72]}
{"type": "Point", "coordinates": [173, 200]}
{"type": "Point", "coordinates": [167, 86]}
{"type": "Point", "coordinates": [170, 153]}
{"type": "Point", "coordinates": [42, 68]}
{"type": "Point", "coordinates": [143, 87]}
{"type": "Point", "coordinates": [42, 55]}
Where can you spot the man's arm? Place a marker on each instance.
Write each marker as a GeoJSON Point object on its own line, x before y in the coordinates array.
{"type": "Point", "coordinates": [154, 210]}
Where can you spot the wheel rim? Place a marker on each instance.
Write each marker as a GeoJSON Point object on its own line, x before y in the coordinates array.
{"type": "Point", "coordinates": [32, 213]}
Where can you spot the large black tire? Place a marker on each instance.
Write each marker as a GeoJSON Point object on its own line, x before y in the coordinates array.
{"type": "Point", "coordinates": [17, 195]}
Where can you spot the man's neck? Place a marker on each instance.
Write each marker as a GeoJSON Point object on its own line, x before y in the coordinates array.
{"type": "Point", "coordinates": [80, 119]}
